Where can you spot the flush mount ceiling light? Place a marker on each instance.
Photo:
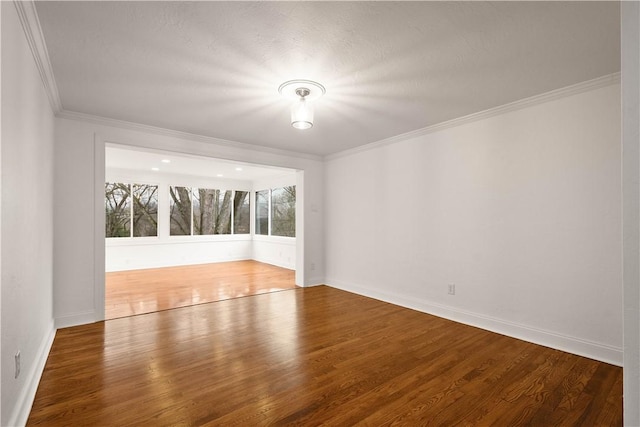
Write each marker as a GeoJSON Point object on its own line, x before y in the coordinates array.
{"type": "Point", "coordinates": [303, 92]}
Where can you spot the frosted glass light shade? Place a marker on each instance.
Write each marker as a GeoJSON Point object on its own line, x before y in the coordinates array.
{"type": "Point", "coordinates": [302, 114]}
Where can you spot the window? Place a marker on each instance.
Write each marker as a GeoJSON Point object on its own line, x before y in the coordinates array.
{"type": "Point", "coordinates": [276, 212]}
{"type": "Point", "coordinates": [211, 211]}
{"type": "Point", "coordinates": [283, 211]}
{"type": "Point", "coordinates": [241, 212]}
{"type": "Point", "coordinates": [203, 219]}
{"type": "Point", "coordinates": [180, 211]}
{"type": "Point", "coordinates": [207, 211]}
{"type": "Point", "coordinates": [222, 212]}
{"type": "Point", "coordinates": [117, 206]}
{"type": "Point", "coordinates": [262, 212]}
{"type": "Point", "coordinates": [131, 210]}
{"type": "Point", "coordinates": [145, 210]}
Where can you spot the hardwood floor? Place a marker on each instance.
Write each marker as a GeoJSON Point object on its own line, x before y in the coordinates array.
{"type": "Point", "coordinates": [144, 291]}
{"type": "Point", "coordinates": [312, 356]}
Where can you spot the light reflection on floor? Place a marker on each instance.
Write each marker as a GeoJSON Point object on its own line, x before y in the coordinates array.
{"type": "Point", "coordinates": [134, 292]}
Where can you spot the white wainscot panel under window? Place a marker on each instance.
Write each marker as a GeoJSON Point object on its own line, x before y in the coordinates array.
{"type": "Point", "coordinates": [279, 251]}
{"type": "Point", "coordinates": [132, 254]}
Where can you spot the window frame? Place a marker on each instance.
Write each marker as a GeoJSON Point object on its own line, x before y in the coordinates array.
{"type": "Point", "coordinates": [131, 207]}
{"type": "Point", "coordinates": [192, 190]}
{"type": "Point", "coordinates": [270, 234]}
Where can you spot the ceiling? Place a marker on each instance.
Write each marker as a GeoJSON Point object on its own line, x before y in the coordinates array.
{"type": "Point", "coordinates": [152, 161]}
{"type": "Point", "coordinates": [213, 68]}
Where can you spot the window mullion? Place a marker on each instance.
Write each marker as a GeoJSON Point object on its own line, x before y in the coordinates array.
{"type": "Point", "coordinates": [231, 207]}
{"type": "Point", "coordinates": [269, 215]}
{"type": "Point", "coordinates": [131, 211]}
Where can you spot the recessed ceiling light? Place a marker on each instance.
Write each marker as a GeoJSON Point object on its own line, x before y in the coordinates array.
{"type": "Point", "coordinates": [239, 169]}
{"type": "Point", "coordinates": [165, 161]}
{"type": "Point", "coordinates": [155, 169]}
{"type": "Point", "coordinates": [219, 175]}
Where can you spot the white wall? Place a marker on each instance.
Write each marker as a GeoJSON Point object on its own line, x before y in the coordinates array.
{"type": "Point", "coordinates": [521, 211]}
{"type": "Point", "coordinates": [27, 220]}
{"type": "Point", "coordinates": [276, 250]}
{"type": "Point", "coordinates": [630, 52]}
{"type": "Point", "coordinates": [164, 250]}
{"type": "Point", "coordinates": [79, 214]}
{"type": "Point", "coordinates": [121, 256]}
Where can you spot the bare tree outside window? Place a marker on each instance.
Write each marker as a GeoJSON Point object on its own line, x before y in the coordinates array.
{"type": "Point", "coordinates": [117, 204]}
{"type": "Point", "coordinates": [204, 221]}
{"type": "Point", "coordinates": [180, 211]}
{"type": "Point", "coordinates": [262, 212]}
{"type": "Point", "coordinates": [145, 210]}
{"type": "Point", "coordinates": [211, 211]}
{"type": "Point", "coordinates": [283, 211]}
{"type": "Point", "coordinates": [241, 212]}
{"type": "Point", "coordinates": [132, 211]}
{"type": "Point", "coordinates": [223, 213]}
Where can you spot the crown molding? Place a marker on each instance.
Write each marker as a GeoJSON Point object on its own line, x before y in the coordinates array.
{"type": "Point", "coordinates": [33, 32]}
{"type": "Point", "coordinates": [122, 124]}
{"type": "Point", "coordinates": [564, 92]}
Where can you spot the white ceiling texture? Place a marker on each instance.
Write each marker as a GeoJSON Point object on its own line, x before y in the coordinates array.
{"type": "Point", "coordinates": [213, 68]}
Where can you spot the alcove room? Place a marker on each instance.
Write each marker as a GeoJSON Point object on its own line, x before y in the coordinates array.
{"type": "Point", "coordinates": [183, 230]}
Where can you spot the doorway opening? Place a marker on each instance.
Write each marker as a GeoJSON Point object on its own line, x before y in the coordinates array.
{"type": "Point", "coordinates": [183, 229]}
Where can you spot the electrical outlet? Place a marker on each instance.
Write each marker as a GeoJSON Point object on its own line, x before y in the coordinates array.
{"type": "Point", "coordinates": [452, 289]}
{"type": "Point", "coordinates": [17, 364]}
{"type": "Point", "coordinates": [312, 266]}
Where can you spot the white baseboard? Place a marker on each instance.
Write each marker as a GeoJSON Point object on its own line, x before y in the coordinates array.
{"type": "Point", "coordinates": [75, 319]}
{"type": "Point", "coordinates": [276, 263]}
{"type": "Point", "coordinates": [602, 352]}
{"type": "Point", "coordinates": [315, 281]}
{"type": "Point", "coordinates": [22, 409]}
